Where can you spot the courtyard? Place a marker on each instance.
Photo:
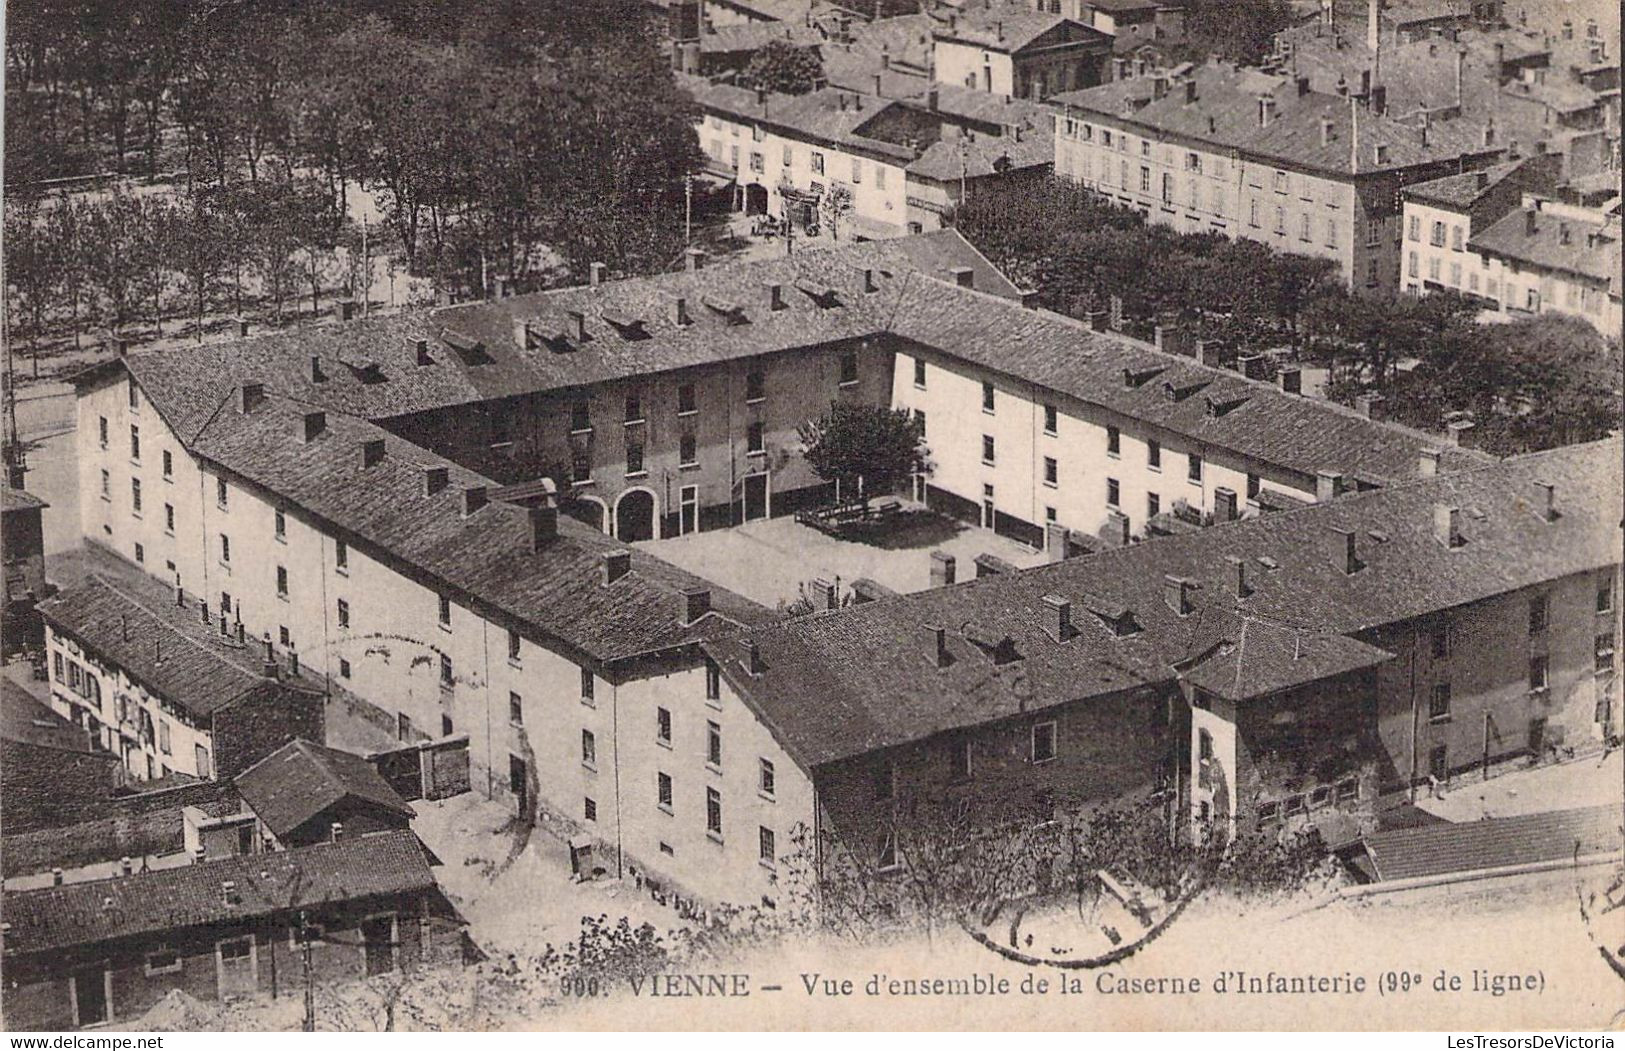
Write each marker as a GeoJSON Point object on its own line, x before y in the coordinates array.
{"type": "Point", "coordinates": [771, 560]}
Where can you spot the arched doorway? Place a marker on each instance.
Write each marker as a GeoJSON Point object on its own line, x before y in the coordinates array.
{"type": "Point", "coordinates": [588, 509]}
{"type": "Point", "coordinates": [755, 199]}
{"type": "Point", "coordinates": [635, 515]}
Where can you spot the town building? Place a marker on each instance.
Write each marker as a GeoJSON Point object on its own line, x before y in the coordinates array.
{"type": "Point", "coordinates": [1018, 50]}
{"type": "Point", "coordinates": [48, 766]}
{"type": "Point", "coordinates": [166, 688]}
{"type": "Point", "coordinates": [101, 952]}
{"type": "Point", "coordinates": [1442, 215]}
{"type": "Point", "coordinates": [304, 793]}
{"type": "Point", "coordinates": [22, 536]}
{"type": "Point", "coordinates": [1247, 154]}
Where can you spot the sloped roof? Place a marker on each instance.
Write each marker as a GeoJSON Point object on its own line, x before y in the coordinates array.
{"type": "Point", "coordinates": [19, 500]}
{"type": "Point", "coordinates": [1472, 846]}
{"type": "Point", "coordinates": [266, 885]}
{"type": "Point", "coordinates": [1015, 27]}
{"type": "Point", "coordinates": [1511, 238]}
{"type": "Point", "coordinates": [27, 720]}
{"type": "Point", "coordinates": [1460, 192]}
{"type": "Point", "coordinates": [872, 666]}
{"type": "Point", "coordinates": [301, 779]}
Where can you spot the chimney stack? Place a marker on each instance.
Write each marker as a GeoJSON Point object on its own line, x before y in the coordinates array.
{"type": "Point", "coordinates": [1224, 504]}
{"type": "Point", "coordinates": [1429, 466]}
{"type": "Point", "coordinates": [1097, 320]}
{"type": "Point", "coordinates": [753, 657]}
{"type": "Point", "coordinates": [338, 831]}
{"type": "Point", "coordinates": [293, 661]}
{"type": "Point", "coordinates": [696, 603]}
{"type": "Point", "coordinates": [870, 285]}
{"type": "Point", "coordinates": [316, 375]}
{"type": "Point", "coordinates": [1546, 501]}
{"type": "Point", "coordinates": [1291, 379]}
{"type": "Point", "coordinates": [828, 595]}
{"type": "Point", "coordinates": [1325, 131]}
{"type": "Point", "coordinates": [1455, 430]}
{"type": "Point", "coordinates": [180, 596]}
{"type": "Point", "coordinates": [1328, 486]}
{"type": "Point", "coordinates": [939, 644]}
{"type": "Point", "coordinates": [250, 396]}
{"type": "Point", "coordinates": [1190, 91]}
{"type": "Point", "coordinates": [1057, 618]}
{"type": "Point", "coordinates": [1369, 405]}
{"type": "Point", "coordinates": [268, 665]}
{"type": "Point", "coordinates": [1529, 224]}
{"type": "Point", "coordinates": [1116, 530]}
{"type": "Point", "coordinates": [435, 479]}
{"type": "Point", "coordinates": [126, 865]}
{"type": "Point", "coordinates": [1447, 525]}
{"type": "Point", "coordinates": [242, 327]}
{"type": "Point", "coordinates": [420, 350]}
{"type": "Point", "coordinates": [203, 612]}
{"type": "Point", "coordinates": [372, 453]}
{"type": "Point", "coordinates": [474, 498]}
{"type": "Point", "coordinates": [775, 296]}
{"type": "Point", "coordinates": [544, 525]}
{"type": "Point", "coordinates": [694, 258]}
{"type": "Point", "coordinates": [1236, 574]}
{"type": "Point", "coordinates": [616, 564]}
{"type": "Point", "coordinates": [942, 569]}
{"type": "Point", "coordinates": [1176, 592]}
{"type": "Point", "coordinates": [680, 312]}
{"type": "Point", "coordinates": [595, 274]}
{"type": "Point", "coordinates": [578, 326]}
{"type": "Point", "coordinates": [963, 276]}
{"type": "Point", "coordinates": [315, 424]}
{"type": "Point", "coordinates": [1340, 550]}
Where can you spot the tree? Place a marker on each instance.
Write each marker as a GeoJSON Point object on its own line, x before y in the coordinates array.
{"type": "Point", "coordinates": [32, 279]}
{"type": "Point", "coordinates": [834, 207]}
{"type": "Point", "coordinates": [783, 67]}
{"type": "Point", "coordinates": [200, 247]}
{"type": "Point", "coordinates": [865, 449]}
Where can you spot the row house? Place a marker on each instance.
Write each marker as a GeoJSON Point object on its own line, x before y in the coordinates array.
{"type": "Point", "coordinates": [1246, 154]}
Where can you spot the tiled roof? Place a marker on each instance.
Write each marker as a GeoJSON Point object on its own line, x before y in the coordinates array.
{"type": "Point", "coordinates": [945, 161]}
{"type": "Point", "coordinates": [301, 779]}
{"type": "Point", "coordinates": [873, 670]}
{"type": "Point", "coordinates": [1115, 6]}
{"type": "Point", "coordinates": [27, 720]}
{"type": "Point", "coordinates": [265, 885]}
{"type": "Point", "coordinates": [1226, 114]}
{"type": "Point", "coordinates": [1472, 846]}
{"type": "Point", "coordinates": [753, 36]}
{"type": "Point", "coordinates": [1460, 192]}
{"type": "Point", "coordinates": [1510, 238]}
{"type": "Point", "coordinates": [1013, 27]}
{"type": "Point", "coordinates": [136, 624]}
{"type": "Point", "coordinates": [19, 500]}
{"type": "Point", "coordinates": [827, 116]}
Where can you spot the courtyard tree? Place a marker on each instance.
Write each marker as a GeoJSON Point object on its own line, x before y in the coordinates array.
{"type": "Point", "coordinates": [785, 68]}
{"type": "Point", "coordinates": [834, 207]}
{"type": "Point", "coordinates": [865, 449]}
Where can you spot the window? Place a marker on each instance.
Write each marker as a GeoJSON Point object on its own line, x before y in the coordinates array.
{"type": "Point", "coordinates": [587, 684]}
{"type": "Point", "coordinates": [135, 495]}
{"type": "Point", "coordinates": [1043, 742]}
{"type": "Point", "coordinates": [1605, 597]}
{"type": "Point", "coordinates": [789, 156]}
{"type": "Point", "coordinates": [284, 637]}
{"type": "Point", "coordinates": [1537, 615]}
{"type": "Point", "coordinates": [987, 397]}
{"type": "Point", "coordinates": [580, 466]}
{"type": "Point", "coordinates": [755, 386]}
{"type": "Point", "coordinates": [919, 420]}
{"type": "Point", "coordinates": [1436, 236]}
{"type": "Point", "coordinates": [959, 760]}
{"type": "Point", "coordinates": [713, 812]}
{"type": "Point", "coordinates": [713, 681]}
{"type": "Point", "coordinates": [445, 611]}
{"type": "Point", "coordinates": [1153, 505]}
{"type": "Point", "coordinates": [513, 645]}
{"type": "Point", "coordinates": [1537, 674]}
{"type": "Point", "coordinates": [713, 744]}
{"type": "Point", "coordinates": [580, 415]}
{"type": "Point", "coordinates": [281, 526]}
{"type": "Point", "coordinates": [765, 841]}
{"type": "Point", "coordinates": [1304, 232]}
{"type": "Point", "coordinates": [589, 808]}
{"type": "Point", "coordinates": [1414, 229]}
{"type": "Point", "coordinates": [344, 668]}
{"type": "Point", "coordinates": [1411, 265]}
{"type": "Point", "coordinates": [817, 163]}
{"type": "Point", "coordinates": [685, 399]}
{"type": "Point", "coordinates": [225, 548]}
{"type": "Point", "coordinates": [1145, 179]}
{"type": "Point", "coordinates": [1331, 233]}
{"type": "Point", "coordinates": [516, 709]}
{"type": "Point", "coordinates": [663, 725]}
{"type": "Point", "coordinates": [1153, 454]}
{"type": "Point", "coordinates": [1114, 441]}
{"type": "Point", "coordinates": [1052, 471]}
{"type": "Point", "coordinates": [687, 451]}
{"type": "Point", "coordinates": [1113, 492]}
{"type": "Point", "coordinates": [282, 581]}
{"type": "Point", "coordinates": [135, 442]}
{"type": "Point", "coordinates": [758, 163]}
{"type": "Point", "coordinates": [341, 555]}
{"type": "Point", "coordinates": [1051, 419]}
{"type": "Point", "coordinates": [107, 484]}
{"type": "Point", "coordinates": [1193, 469]}
{"type": "Point", "coordinates": [1441, 643]}
{"type": "Point", "coordinates": [663, 791]}
{"type": "Point", "coordinates": [101, 430]}
{"type": "Point", "coordinates": [589, 749]}
{"type": "Point", "coordinates": [1455, 239]}
{"type": "Point", "coordinates": [446, 675]}
{"type": "Point", "coordinates": [222, 495]}
{"type": "Point", "coordinates": [849, 368]}
{"type": "Point", "coordinates": [755, 437]}
{"type": "Point", "coordinates": [163, 737]}
{"type": "Point", "coordinates": [164, 960]}
{"type": "Point", "coordinates": [446, 727]}
{"type": "Point", "coordinates": [919, 373]}
{"type": "Point", "coordinates": [1605, 651]}
{"type": "Point", "coordinates": [634, 458]}
{"type": "Point", "coordinates": [1280, 219]}
{"type": "Point", "coordinates": [987, 449]}
{"type": "Point", "coordinates": [169, 464]}
{"type": "Point", "coordinates": [1439, 703]}
{"type": "Point", "coordinates": [140, 553]}
{"type": "Point", "coordinates": [344, 613]}
{"type": "Point", "coordinates": [885, 781]}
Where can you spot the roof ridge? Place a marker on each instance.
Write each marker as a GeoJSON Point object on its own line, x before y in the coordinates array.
{"type": "Point", "coordinates": [164, 623]}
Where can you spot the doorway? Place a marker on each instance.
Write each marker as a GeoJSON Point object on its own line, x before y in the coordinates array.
{"type": "Point", "coordinates": [517, 782]}
{"type": "Point", "coordinates": [635, 516]}
{"type": "Point", "coordinates": [688, 517]}
{"type": "Point", "coordinates": [755, 199]}
{"type": "Point", "coordinates": [756, 496]}
{"type": "Point", "coordinates": [90, 1000]}
{"type": "Point", "coordinates": [235, 967]}
{"type": "Point", "coordinates": [378, 943]}
{"type": "Point", "coordinates": [987, 507]}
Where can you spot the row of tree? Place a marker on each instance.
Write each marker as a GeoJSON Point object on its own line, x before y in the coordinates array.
{"type": "Point", "coordinates": [1541, 382]}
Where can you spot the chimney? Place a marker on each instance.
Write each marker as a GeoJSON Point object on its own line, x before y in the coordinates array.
{"type": "Point", "coordinates": [1369, 405]}
{"type": "Point", "coordinates": [1190, 92]}
{"type": "Point", "coordinates": [346, 308]}
{"type": "Point", "coordinates": [126, 865]}
{"type": "Point", "coordinates": [615, 564]}
{"type": "Point", "coordinates": [1116, 530]}
{"type": "Point", "coordinates": [942, 569]}
{"type": "Point", "coordinates": [1097, 320]}
{"type": "Point", "coordinates": [1115, 313]}
{"type": "Point", "coordinates": [695, 258]}
{"type": "Point", "coordinates": [203, 613]}
{"type": "Point", "coordinates": [939, 644]}
{"type": "Point", "coordinates": [1373, 25]}
{"type": "Point", "coordinates": [1563, 235]}
{"type": "Point", "coordinates": [1236, 576]}
{"type": "Point", "coordinates": [242, 327]}
{"type": "Point", "coordinates": [242, 639]}
{"type": "Point", "coordinates": [1328, 484]}
{"type": "Point", "coordinates": [372, 453]}
{"type": "Point", "coordinates": [1176, 592]}
{"type": "Point", "coordinates": [1266, 110]}
{"type": "Point", "coordinates": [315, 426]}
{"type": "Point", "coordinates": [1546, 501]}
{"type": "Point", "coordinates": [1489, 131]}
{"type": "Point", "coordinates": [696, 603]}
{"type": "Point", "coordinates": [1379, 153]}
{"type": "Point", "coordinates": [1206, 351]}
{"type": "Point", "coordinates": [1291, 379]}
{"type": "Point", "coordinates": [1447, 525]}
{"type": "Point", "coordinates": [544, 525]}
{"type": "Point", "coordinates": [1057, 618]}
{"type": "Point", "coordinates": [578, 326]}
{"type": "Point", "coordinates": [250, 396]}
{"type": "Point", "coordinates": [1340, 550]}
{"type": "Point", "coordinates": [1303, 86]}
{"type": "Point", "coordinates": [775, 296]}
{"type": "Point", "coordinates": [180, 596]}
{"type": "Point", "coordinates": [963, 276]}
{"type": "Point", "coordinates": [268, 665]}
{"type": "Point", "coordinates": [474, 498]}
{"type": "Point", "coordinates": [680, 312]}
{"type": "Point", "coordinates": [1529, 222]}
{"type": "Point", "coordinates": [595, 274]}
{"type": "Point", "coordinates": [56, 877]}
{"type": "Point", "coordinates": [435, 479]}
{"type": "Point", "coordinates": [420, 350]}
{"type": "Point", "coordinates": [1224, 504]}
{"type": "Point", "coordinates": [225, 625]}
{"type": "Point", "coordinates": [338, 831]}
{"type": "Point", "coordinates": [1429, 467]}
{"type": "Point", "coordinates": [1456, 429]}
{"type": "Point", "coordinates": [316, 375]}
{"type": "Point", "coordinates": [932, 99]}
{"type": "Point", "coordinates": [1251, 365]}
{"type": "Point", "coordinates": [1325, 131]}
{"type": "Point", "coordinates": [293, 662]}
{"type": "Point", "coordinates": [828, 596]}
{"type": "Point", "coordinates": [870, 285]}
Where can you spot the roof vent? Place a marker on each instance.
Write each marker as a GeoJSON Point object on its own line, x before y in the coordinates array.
{"type": "Point", "coordinates": [1546, 501]}
{"type": "Point", "coordinates": [963, 276]}
{"type": "Point", "coordinates": [250, 396]}
{"type": "Point", "coordinates": [1447, 525]}
{"type": "Point", "coordinates": [938, 638]}
{"type": "Point", "coordinates": [696, 604]}
{"type": "Point", "coordinates": [1176, 592]}
{"type": "Point", "coordinates": [616, 564]}
{"type": "Point", "coordinates": [1340, 550]}
{"type": "Point", "coordinates": [474, 498]}
{"type": "Point", "coordinates": [1058, 618]}
{"type": "Point", "coordinates": [420, 350]}
{"type": "Point", "coordinates": [435, 479]}
{"type": "Point", "coordinates": [315, 425]}
{"type": "Point", "coordinates": [372, 453]}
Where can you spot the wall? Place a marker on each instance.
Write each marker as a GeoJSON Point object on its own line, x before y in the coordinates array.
{"type": "Point", "coordinates": [974, 67]}
{"type": "Point", "coordinates": [254, 727]}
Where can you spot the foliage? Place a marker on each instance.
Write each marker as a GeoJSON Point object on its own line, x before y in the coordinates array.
{"type": "Point", "coordinates": [606, 952]}
{"type": "Point", "coordinates": [1241, 31]}
{"type": "Point", "coordinates": [783, 67]}
{"type": "Point", "coordinates": [878, 445]}
{"type": "Point", "coordinates": [834, 206]}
